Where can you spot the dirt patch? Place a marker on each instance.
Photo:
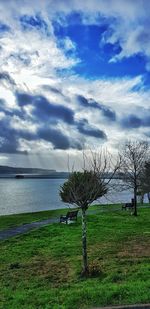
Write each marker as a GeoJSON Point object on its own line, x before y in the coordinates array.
{"type": "Point", "coordinates": [137, 248]}
{"type": "Point", "coordinates": [52, 270]}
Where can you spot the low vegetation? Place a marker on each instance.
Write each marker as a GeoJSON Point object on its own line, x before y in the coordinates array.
{"type": "Point", "coordinates": [41, 269]}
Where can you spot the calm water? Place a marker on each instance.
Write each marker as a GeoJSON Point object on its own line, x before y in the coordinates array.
{"type": "Point", "coordinates": [31, 195]}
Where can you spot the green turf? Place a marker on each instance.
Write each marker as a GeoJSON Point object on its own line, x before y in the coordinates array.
{"type": "Point", "coordinates": [10, 221]}
{"type": "Point", "coordinates": [15, 220]}
{"type": "Point", "coordinates": [41, 269]}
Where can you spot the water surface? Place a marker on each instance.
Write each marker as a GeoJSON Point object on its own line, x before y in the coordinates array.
{"type": "Point", "coordinates": [31, 195]}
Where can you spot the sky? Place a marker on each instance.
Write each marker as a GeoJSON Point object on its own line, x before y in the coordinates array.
{"type": "Point", "coordinates": [74, 75]}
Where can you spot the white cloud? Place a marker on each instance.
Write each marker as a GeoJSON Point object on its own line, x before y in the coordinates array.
{"type": "Point", "coordinates": [23, 125]}
{"type": "Point", "coordinates": [39, 57]}
{"type": "Point", "coordinates": [131, 21]}
{"type": "Point", "coordinates": [32, 59]}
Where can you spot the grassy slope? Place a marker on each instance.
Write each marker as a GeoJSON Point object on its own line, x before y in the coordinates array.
{"type": "Point", "coordinates": [42, 269]}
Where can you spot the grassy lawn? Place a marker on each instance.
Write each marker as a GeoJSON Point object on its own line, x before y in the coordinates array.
{"type": "Point", "coordinates": [41, 269]}
{"type": "Point", "coordinates": [19, 219]}
{"type": "Point", "coordinates": [15, 220]}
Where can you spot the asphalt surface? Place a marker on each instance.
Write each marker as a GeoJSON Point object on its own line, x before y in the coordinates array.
{"type": "Point", "coordinates": [12, 232]}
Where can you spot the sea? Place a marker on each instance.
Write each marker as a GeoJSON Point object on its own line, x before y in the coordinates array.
{"type": "Point", "coordinates": [32, 195]}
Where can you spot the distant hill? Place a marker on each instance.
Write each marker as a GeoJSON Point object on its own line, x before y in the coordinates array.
{"type": "Point", "coordinates": [12, 172]}
{"type": "Point", "coordinates": [23, 170]}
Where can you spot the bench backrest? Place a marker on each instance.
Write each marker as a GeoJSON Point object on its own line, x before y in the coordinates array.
{"type": "Point", "coordinates": [130, 205]}
{"type": "Point", "coordinates": [72, 214]}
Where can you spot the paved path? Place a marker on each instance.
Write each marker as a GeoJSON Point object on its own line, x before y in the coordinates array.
{"type": "Point", "coordinates": [138, 306]}
{"type": "Point", "coordinates": [14, 231]}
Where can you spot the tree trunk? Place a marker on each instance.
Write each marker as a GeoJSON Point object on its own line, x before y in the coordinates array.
{"type": "Point", "coordinates": [142, 199]}
{"type": "Point", "coordinates": [135, 201]}
{"type": "Point", "coordinates": [84, 244]}
{"type": "Point", "coordinates": [148, 196]}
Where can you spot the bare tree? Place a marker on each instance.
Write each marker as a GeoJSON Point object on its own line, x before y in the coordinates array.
{"type": "Point", "coordinates": [145, 180]}
{"type": "Point", "coordinates": [134, 155]}
{"type": "Point", "coordinates": [82, 188]}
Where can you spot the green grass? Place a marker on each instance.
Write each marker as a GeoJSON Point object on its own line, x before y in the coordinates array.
{"type": "Point", "coordinates": [10, 221]}
{"type": "Point", "coordinates": [19, 219]}
{"type": "Point", "coordinates": [41, 269]}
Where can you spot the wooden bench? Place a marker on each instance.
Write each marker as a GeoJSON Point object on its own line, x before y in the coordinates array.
{"type": "Point", "coordinates": [70, 216]}
{"type": "Point", "coordinates": [127, 205]}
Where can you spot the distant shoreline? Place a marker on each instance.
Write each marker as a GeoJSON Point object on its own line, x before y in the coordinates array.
{"type": "Point", "coordinates": [26, 176]}
{"type": "Point", "coordinates": [22, 176]}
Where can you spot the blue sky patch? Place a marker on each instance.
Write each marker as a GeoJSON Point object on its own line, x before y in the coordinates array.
{"type": "Point", "coordinates": [95, 57]}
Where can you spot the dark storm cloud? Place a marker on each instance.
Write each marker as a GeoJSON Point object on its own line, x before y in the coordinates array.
{"type": "Point", "coordinates": [84, 128]}
{"type": "Point", "coordinates": [49, 110]}
{"type": "Point", "coordinates": [10, 145]}
{"type": "Point", "coordinates": [45, 114]}
{"type": "Point", "coordinates": [2, 105]}
{"type": "Point", "coordinates": [132, 121]}
{"type": "Point", "coordinates": [108, 113]}
{"type": "Point", "coordinates": [4, 109]}
{"type": "Point", "coordinates": [49, 134]}
{"type": "Point", "coordinates": [21, 57]}
{"type": "Point", "coordinates": [147, 121]}
{"type": "Point", "coordinates": [9, 137]}
{"type": "Point", "coordinates": [52, 89]}
{"type": "Point", "coordinates": [90, 103]}
{"type": "Point", "coordinates": [9, 142]}
{"type": "Point", "coordinates": [11, 112]}
{"type": "Point", "coordinates": [5, 76]}
{"type": "Point", "coordinates": [24, 98]}
{"type": "Point", "coordinates": [82, 100]}
{"type": "Point", "coordinates": [44, 110]}
{"type": "Point", "coordinates": [57, 138]}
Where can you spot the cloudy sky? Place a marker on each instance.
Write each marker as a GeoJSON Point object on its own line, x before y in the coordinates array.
{"type": "Point", "coordinates": [73, 74]}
